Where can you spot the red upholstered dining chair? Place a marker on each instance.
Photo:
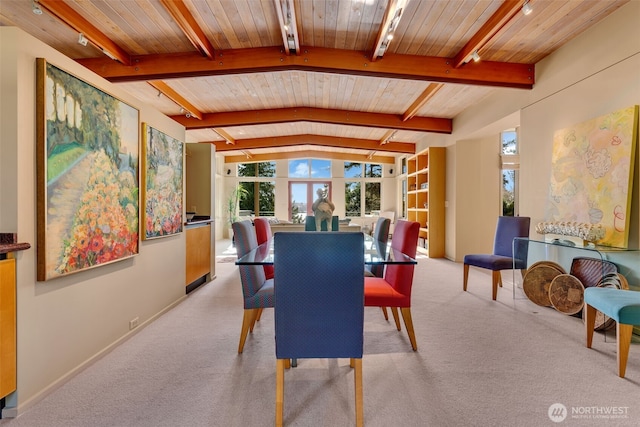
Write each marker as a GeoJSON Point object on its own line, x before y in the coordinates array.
{"type": "Point", "coordinates": [263, 233]}
{"type": "Point", "coordinates": [394, 289]}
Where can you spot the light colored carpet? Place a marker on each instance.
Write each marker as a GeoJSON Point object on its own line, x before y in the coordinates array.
{"type": "Point", "coordinates": [479, 363]}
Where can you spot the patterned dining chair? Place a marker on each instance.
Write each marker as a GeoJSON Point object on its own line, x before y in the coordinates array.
{"type": "Point", "coordinates": [319, 303]}
{"type": "Point", "coordinates": [310, 224]}
{"type": "Point", "coordinates": [257, 290]}
{"type": "Point", "coordinates": [394, 289]}
{"type": "Point", "coordinates": [502, 258]}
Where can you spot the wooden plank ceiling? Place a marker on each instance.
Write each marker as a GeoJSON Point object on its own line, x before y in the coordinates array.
{"type": "Point", "coordinates": [362, 80]}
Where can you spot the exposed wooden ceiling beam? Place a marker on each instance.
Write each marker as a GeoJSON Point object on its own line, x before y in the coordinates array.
{"type": "Point", "coordinates": [316, 115]}
{"type": "Point", "coordinates": [228, 139]}
{"type": "Point", "coordinates": [286, 12]}
{"type": "Point", "coordinates": [311, 154]}
{"type": "Point", "coordinates": [189, 26]}
{"type": "Point", "coordinates": [320, 140]}
{"type": "Point", "coordinates": [499, 19]}
{"type": "Point", "coordinates": [73, 19]}
{"type": "Point", "coordinates": [422, 99]}
{"type": "Point", "coordinates": [388, 26]}
{"type": "Point", "coordinates": [177, 98]}
{"type": "Point", "coordinates": [270, 59]}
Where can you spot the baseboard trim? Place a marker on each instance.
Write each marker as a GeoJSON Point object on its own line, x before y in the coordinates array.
{"type": "Point", "coordinates": [15, 411]}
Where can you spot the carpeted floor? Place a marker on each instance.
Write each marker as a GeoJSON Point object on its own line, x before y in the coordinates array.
{"type": "Point", "coordinates": [479, 363]}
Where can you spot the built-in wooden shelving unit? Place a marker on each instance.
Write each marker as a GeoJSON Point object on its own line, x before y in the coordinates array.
{"type": "Point", "coordinates": [426, 196]}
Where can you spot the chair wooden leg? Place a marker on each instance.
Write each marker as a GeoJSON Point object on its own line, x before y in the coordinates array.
{"type": "Point", "coordinates": [384, 311]}
{"type": "Point", "coordinates": [465, 277]}
{"type": "Point", "coordinates": [357, 364]}
{"type": "Point", "coordinates": [280, 364]}
{"type": "Point", "coordinates": [247, 321]}
{"type": "Point", "coordinates": [259, 314]}
{"type": "Point", "coordinates": [394, 311]}
{"type": "Point", "coordinates": [590, 323]}
{"type": "Point", "coordinates": [408, 323]}
{"type": "Point", "coordinates": [495, 279]}
{"type": "Point", "coordinates": [500, 278]}
{"type": "Point", "coordinates": [623, 336]}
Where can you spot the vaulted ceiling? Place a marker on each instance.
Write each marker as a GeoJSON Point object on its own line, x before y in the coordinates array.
{"type": "Point", "coordinates": [362, 80]}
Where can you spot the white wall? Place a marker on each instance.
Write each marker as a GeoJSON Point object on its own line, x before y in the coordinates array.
{"type": "Point", "coordinates": [65, 322]}
{"type": "Point", "coordinates": [594, 74]}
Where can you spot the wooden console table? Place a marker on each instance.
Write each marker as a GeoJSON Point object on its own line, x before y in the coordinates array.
{"type": "Point", "coordinates": [8, 245]}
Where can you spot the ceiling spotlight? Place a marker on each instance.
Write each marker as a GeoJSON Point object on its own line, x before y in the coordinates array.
{"type": "Point", "coordinates": [526, 8]}
{"type": "Point", "coordinates": [35, 7]}
{"type": "Point", "coordinates": [188, 115]}
{"type": "Point", "coordinates": [82, 39]}
{"type": "Point", "coordinates": [181, 110]}
{"type": "Point", "coordinates": [475, 56]}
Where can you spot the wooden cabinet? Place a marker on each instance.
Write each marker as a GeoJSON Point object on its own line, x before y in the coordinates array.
{"type": "Point", "coordinates": [7, 326]}
{"type": "Point", "coordinates": [198, 252]}
{"type": "Point", "coordinates": [426, 195]}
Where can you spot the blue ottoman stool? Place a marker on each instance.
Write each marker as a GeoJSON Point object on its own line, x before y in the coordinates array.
{"type": "Point", "coordinates": [623, 307]}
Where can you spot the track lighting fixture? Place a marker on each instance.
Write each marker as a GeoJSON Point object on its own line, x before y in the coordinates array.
{"type": "Point", "coordinates": [35, 7]}
{"type": "Point", "coordinates": [475, 56]}
{"type": "Point", "coordinates": [82, 39]}
{"type": "Point", "coordinates": [526, 8]}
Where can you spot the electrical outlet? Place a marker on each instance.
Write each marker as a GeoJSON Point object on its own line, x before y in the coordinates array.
{"type": "Point", "coordinates": [133, 323]}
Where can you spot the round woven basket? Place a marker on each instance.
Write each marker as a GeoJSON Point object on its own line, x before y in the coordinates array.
{"type": "Point", "coordinates": [537, 280]}
{"type": "Point", "coordinates": [566, 293]}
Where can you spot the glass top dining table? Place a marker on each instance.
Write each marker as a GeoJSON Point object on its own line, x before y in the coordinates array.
{"type": "Point", "coordinates": [373, 254]}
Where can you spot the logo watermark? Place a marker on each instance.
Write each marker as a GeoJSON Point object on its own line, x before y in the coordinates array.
{"type": "Point", "coordinates": [558, 412]}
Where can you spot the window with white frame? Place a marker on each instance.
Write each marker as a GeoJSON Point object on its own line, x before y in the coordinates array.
{"type": "Point", "coordinates": [509, 165]}
{"type": "Point", "coordinates": [359, 177]}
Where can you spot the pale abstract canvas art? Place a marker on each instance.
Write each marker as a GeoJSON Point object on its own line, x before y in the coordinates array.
{"type": "Point", "coordinates": [591, 175]}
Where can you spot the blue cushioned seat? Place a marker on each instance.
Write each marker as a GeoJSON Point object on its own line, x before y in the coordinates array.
{"type": "Point", "coordinates": [621, 305]}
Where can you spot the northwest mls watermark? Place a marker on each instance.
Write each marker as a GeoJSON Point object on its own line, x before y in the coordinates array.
{"type": "Point", "coordinates": [558, 412]}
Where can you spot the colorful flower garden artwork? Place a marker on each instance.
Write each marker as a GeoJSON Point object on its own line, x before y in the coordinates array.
{"type": "Point", "coordinates": [87, 166]}
{"type": "Point", "coordinates": [592, 174]}
{"type": "Point", "coordinates": [162, 185]}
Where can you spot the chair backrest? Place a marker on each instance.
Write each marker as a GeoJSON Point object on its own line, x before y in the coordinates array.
{"type": "Point", "coordinates": [404, 240]}
{"type": "Point", "coordinates": [263, 229]}
{"type": "Point", "coordinates": [508, 228]}
{"type": "Point", "coordinates": [310, 224]}
{"type": "Point", "coordinates": [380, 238]}
{"type": "Point", "coordinates": [263, 233]}
{"type": "Point", "coordinates": [319, 294]}
{"type": "Point", "coordinates": [388, 214]}
{"type": "Point", "coordinates": [251, 276]}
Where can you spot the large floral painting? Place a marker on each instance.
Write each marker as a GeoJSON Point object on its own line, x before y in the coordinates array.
{"type": "Point", "coordinates": [162, 183]}
{"type": "Point", "coordinates": [87, 167]}
{"type": "Point", "coordinates": [592, 173]}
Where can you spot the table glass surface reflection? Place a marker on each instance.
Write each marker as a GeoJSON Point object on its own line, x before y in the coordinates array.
{"type": "Point", "coordinates": [373, 255]}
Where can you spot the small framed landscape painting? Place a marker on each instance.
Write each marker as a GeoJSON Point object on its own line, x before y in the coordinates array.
{"type": "Point", "coordinates": [87, 175]}
{"type": "Point", "coordinates": [162, 183]}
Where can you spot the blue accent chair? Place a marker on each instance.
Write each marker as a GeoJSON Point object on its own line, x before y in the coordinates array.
{"type": "Point", "coordinates": [622, 306]}
{"type": "Point", "coordinates": [310, 224]}
{"type": "Point", "coordinates": [257, 290]}
{"type": "Point", "coordinates": [319, 303]}
{"type": "Point", "coordinates": [502, 258]}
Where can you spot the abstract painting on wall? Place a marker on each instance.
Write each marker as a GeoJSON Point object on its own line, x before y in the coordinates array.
{"type": "Point", "coordinates": [592, 173]}
{"type": "Point", "coordinates": [87, 175]}
{"type": "Point", "coordinates": [162, 183]}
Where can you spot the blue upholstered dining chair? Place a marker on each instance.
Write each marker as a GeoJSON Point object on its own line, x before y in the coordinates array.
{"type": "Point", "coordinates": [310, 224]}
{"type": "Point", "coordinates": [257, 290]}
{"type": "Point", "coordinates": [319, 303]}
{"type": "Point", "coordinates": [502, 258]}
